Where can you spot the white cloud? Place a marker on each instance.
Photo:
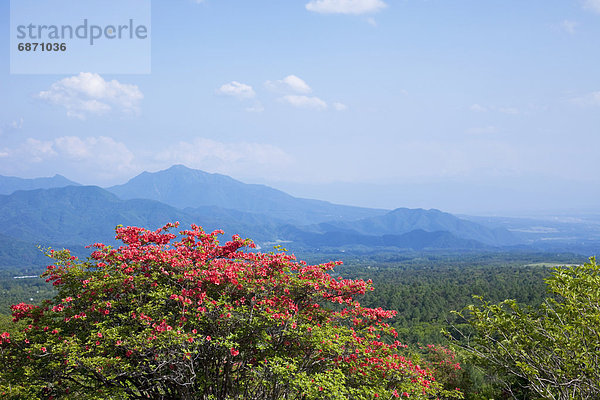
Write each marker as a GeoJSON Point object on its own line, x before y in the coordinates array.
{"type": "Point", "coordinates": [236, 158]}
{"type": "Point", "coordinates": [371, 21]}
{"type": "Point", "coordinates": [305, 102]}
{"type": "Point", "coordinates": [97, 158]}
{"type": "Point", "coordinates": [102, 149]}
{"type": "Point", "coordinates": [290, 83]}
{"type": "Point", "coordinates": [504, 110]}
{"type": "Point", "coordinates": [345, 6]}
{"type": "Point", "coordinates": [485, 130]}
{"type": "Point", "coordinates": [588, 100]}
{"type": "Point", "coordinates": [595, 98]}
{"type": "Point", "coordinates": [339, 106]}
{"type": "Point", "coordinates": [16, 124]}
{"type": "Point", "coordinates": [101, 156]}
{"type": "Point", "coordinates": [420, 160]}
{"type": "Point", "coordinates": [88, 93]}
{"type": "Point", "coordinates": [478, 108]}
{"type": "Point", "coordinates": [103, 160]}
{"type": "Point", "coordinates": [36, 150]}
{"type": "Point", "coordinates": [27, 153]}
{"type": "Point", "coordinates": [295, 90]}
{"type": "Point", "coordinates": [238, 90]}
{"type": "Point", "coordinates": [569, 26]}
{"type": "Point", "coordinates": [73, 147]}
{"type": "Point", "coordinates": [13, 125]}
{"type": "Point", "coordinates": [257, 107]}
{"type": "Point", "coordinates": [593, 5]}
{"type": "Point", "coordinates": [509, 110]}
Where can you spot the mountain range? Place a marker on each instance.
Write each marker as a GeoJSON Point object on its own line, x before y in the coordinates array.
{"type": "Point", "coordinates": [10, 184]}
{"type": "Point", "coordinates": [58, 212]}
{"type": "Point", "coordinates": [183, 187]}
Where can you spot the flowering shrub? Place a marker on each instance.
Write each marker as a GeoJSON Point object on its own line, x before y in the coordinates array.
{"type": "Point", "coordinates": [183, 317]}
{"type": "Point", "coordinates": [445, 366]}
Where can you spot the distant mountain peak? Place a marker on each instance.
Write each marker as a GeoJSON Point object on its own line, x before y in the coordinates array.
{"type": "Point", "coordinates": [182, 170]}
{"type": "Point", "coordinates": [10, 184]}
{"type": "Point", "coordinates": [404, 220]}
{"type": "Point", "coordinates": [415, 210]}
{"type": "Point", "coordinates": [182, 167]}
{"type": "Point", "coordinates": [183, 187]}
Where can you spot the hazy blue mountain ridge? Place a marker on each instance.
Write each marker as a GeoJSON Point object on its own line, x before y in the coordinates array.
{"type": "Point", "coordinates": [417, 239]}
{"type": "Point", "coordinates": [404, 220]}
{"type": "Point", "coordinates": [10, 184]}
{"type": "Point", "coordinates": [76, 214]}
{"type": "Point", "coordinates": [81, 215]}
{"type": "Point", "coordinates": [88, 214]}
{"type": "Point", "coordinates": [21, 255]}
{"type": "Point", "coordinates": [183, 187]}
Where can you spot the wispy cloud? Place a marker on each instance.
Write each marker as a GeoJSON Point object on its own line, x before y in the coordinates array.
{"type": "Point", "coordinates": [339, 106]}
{"type": "Point", "coordinates": [16, 124]}
{"type": "Point", "coordinates": [12, 126]}
{"type": "Point", "coordinates": [569, 26]}
{"type": "Point", "coordinates": [100, 158]}
{"type": "Point", "coordinates": [295, 90]}
{"type": "Point", "coordinates": [291, 90]}
{"type": "Point", "coordinates": [256, 107]}
{"type": "Point", "coordinates": [478, 108]}
{"type": "Point", "coordinates": [345, 6]}
{"type": "Point", "coordinates": [482, 130]}
{"type": "Point", "coordinates": [290, 83]}
{"type": "Point", "coordinates": [309, 102]}
{"type": "Point", "coordinates": [33, 150]}
{"type": "Point", "coordinates": [235, 158]}
{"type": "Point", "coordinates": [238, 90]}
{"type": "Point", "coordinates": [89, 94]}
{"type": "Point", "coordinates": [105, 160]}
{"type": "Point", "coordinates": [84, 149]}
{"type": "Point", "coordinates": [509, 110]}
{"type": "Point", "coordinates": [593, 5]}
{"type": "Point", "coordinates": [588, 100]}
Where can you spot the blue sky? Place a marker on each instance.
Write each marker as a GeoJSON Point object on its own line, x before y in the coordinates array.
{"type": "Point", "coordinates": [466, 106]}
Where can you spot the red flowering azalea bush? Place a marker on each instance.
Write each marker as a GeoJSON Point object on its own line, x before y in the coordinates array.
{"type": "Point", "coordinates": [183, 317]}
{"type": "Point", "coordinates": [443, 362]}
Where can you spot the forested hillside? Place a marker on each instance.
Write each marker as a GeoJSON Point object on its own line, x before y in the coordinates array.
{"type": "Point", "coordinates": [421, 289]}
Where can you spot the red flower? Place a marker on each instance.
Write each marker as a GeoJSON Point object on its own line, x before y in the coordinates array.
{"type": "Point", "coordinates": [234, 352]}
